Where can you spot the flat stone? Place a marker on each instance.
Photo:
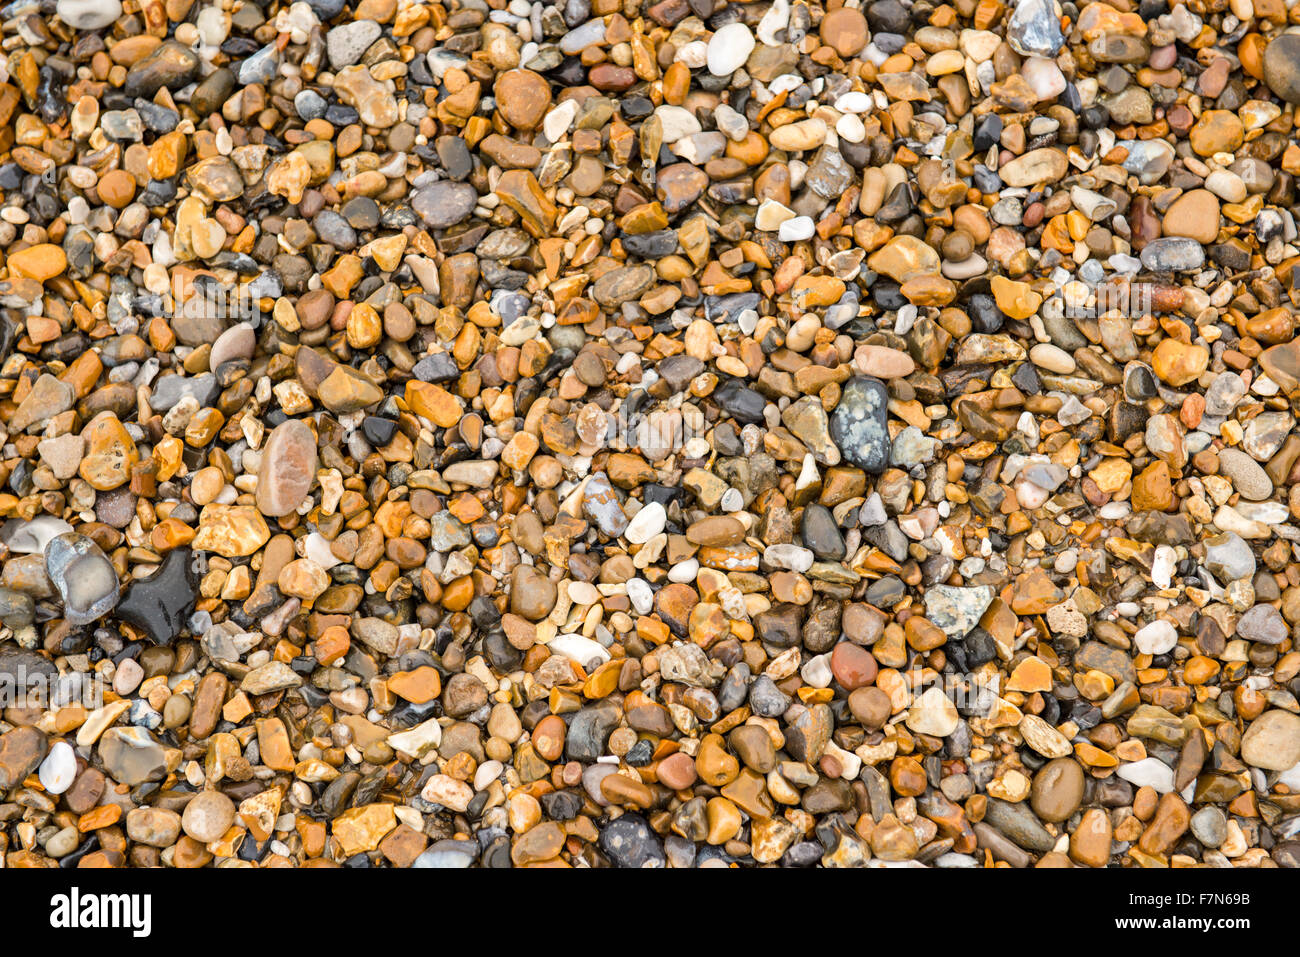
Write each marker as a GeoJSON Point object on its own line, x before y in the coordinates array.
{"type": "Point", "coordinates": [288, 468]}
{"type": "Point", "coordinates": [858, 425]}
{"type": "Point", "coordinates": [132, 756]}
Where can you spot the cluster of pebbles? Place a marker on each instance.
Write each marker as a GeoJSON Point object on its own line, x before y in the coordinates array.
{"type": "Point", "coordinates": [446, 433]}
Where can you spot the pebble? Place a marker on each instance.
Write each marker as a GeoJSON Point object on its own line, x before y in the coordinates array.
{"type": "Point", "coordinates": [1157, 638]}
{"type": "Point", "coordinates": [207, 816]}
{"type": "Point", "coordinates": [1272, 741]}
{"type": "Point", "coordinates": [59, 768]}
{"type": "Point", "coordinates": [84, 577]}
{"type": "Point", "coordinates": [859, 424]}
{"type": "Point", "coordinates": [288, 468]}
{"type": "Point", "coordinates": [88, 15]}
{"type": "Point", "coordinates": [1246, 475]}
{"type": "Point", "coordinates": [729, 48]}
{"type": "Point", "coordinates": [1148, 773]}
{"type": "Point", "coordinates": [347, 42]}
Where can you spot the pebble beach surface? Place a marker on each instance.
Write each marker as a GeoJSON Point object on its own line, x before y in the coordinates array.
{"type": "Point", "coordinates": [690, 433]}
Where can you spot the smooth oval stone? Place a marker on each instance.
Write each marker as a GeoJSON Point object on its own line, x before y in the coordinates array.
{"type": "Point", "coordinates": [852, 666]}
{"type": "Point", "coordinates": [1272, 741]}
{"type": "Point", "coordinates": [729, 48]}
{"type": "Point", "coordinates": [208, 816]}
{"type": "Point", "coordinates": [88, 14]}
{"type": "Point", "coordinates": [445, 204]}
{"type": "Point", "coordinates": [1173, 254]}
{"type": "Point", "coordinates": [171, 65]}
{"type": "Point", "coordinates": [237, 342]}
{"type": "Point", "coordinates": [1020, 824]}
{"type": "Point", "coordinates": [1057, 790]}
{"type": "Point", "coordinates": [1281, 66]}
{"type": "Point", "coordinates": [288, 468]}
{"type": "Point", "coordinates": [59, 768]}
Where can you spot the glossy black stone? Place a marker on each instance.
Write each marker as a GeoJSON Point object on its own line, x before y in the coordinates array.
{"type": "Point", "coordinates": [630, 842]}
{"type": "Point", "coordinates": [378, 431]}
{"type": "Point", "coordinates": [162, 603]}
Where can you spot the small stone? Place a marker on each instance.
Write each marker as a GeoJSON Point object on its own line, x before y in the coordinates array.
{"type": "Point", "coordinates": [729, 48]}
{"type": "Point", "coordinates": [1282, 67]}
{"type": "Point", "coordinates": [162, 603]}
{"type": "Point", "coordinates": [1157, 638]}
{"type": "Point", "coordinates": [523, 98]}
{"type": "Point", "coordinates": [59, 768]}
{"type": "Point", "coordinates": [1057, 790]}
{"type": "Point", "coordinates": [84, 577]}
{"type": "Point", "coordinates": [1195, 215]}
{"type": "Point", "coordinates": [132, 756]}
{"type": "Point", "coordinates": [1179, 363]}
{"type": "Point", "coordinates": [444, 204]}
{"type": "Point", "coordinates": [1272, 741]}
{"type": "Point", "coordinates": [934, 714]}
{"type": "Point", "coordinates": [1247, 476]}
{"type": "Point", "coordinates": [40, 262]}
{"type": "Point", "coordinates": [957, 610]}
{"type": "Point", "coordinates": [1263, 624]}
{"type": "Point", "coordinates": [88, 14]}
{"type": "Point", "coordinates": [288, 468]}
{"type": "Point", "coordinates": [207, 816]}
{"type": "Point", "coordinates": [347, 42]}
{"type": "Point", "coordinates": [21, 750]}
{"type": "Point", "coordinates": [858, 425]}
{"type": "Point", "coordinates": [1034, 29]}
{"type": "Point", "coordinates": [845, 30]}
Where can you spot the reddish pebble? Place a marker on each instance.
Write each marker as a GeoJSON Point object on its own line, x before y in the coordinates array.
{"type": "Point", "coordinates": [677, 771]}
{"type": "Point", "coordinates": [852, 666]}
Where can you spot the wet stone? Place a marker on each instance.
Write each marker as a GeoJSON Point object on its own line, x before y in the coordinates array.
{"type": "Point", "coordinates": [84, 577]}
{"type": "Point", "coordinates": [162, 603]}
{"type": "Point", "coordinates": [288, 468]}
{"type": "Point", "coordinates": [858, 425]}
{"type": "Point", "coordinates": [444, 204]}
{"type": "Point", "coordinates": [131, 756]}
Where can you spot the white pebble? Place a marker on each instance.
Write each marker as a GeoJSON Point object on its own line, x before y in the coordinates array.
{"type": "Point", "coordinates": [577, 648]}
{"type": "Point", "coordinates": [1156, 638]}
{"type": "Point", "coordinates": [684, 572]}
{"type": "Point", "coordinates": [640, 595]}
{"type": "Point", "coordinates": [790, 557]}
{"type": "Point", "coordinates": [850, 129]}
{"type": "Point", "coordinates": [647, 523]}
{"type": "Point", "coordinates": [90, 14]}
{"type": "Point", "coordinates": [1149, 772]}
{"type": "Point", "coordinates": [729, 48]}
{"type": "Point", "coordinates": [794, 230]}
{"type": "Point", "coordinates": [59, 769]}
{"type": "Point", "coordinates": [1162, 566]}
{"type": "Point", "coordinates": [854, 102]}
